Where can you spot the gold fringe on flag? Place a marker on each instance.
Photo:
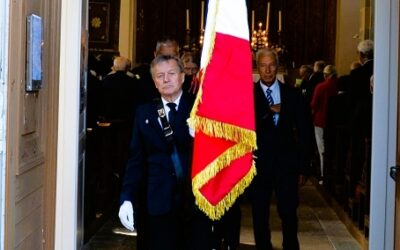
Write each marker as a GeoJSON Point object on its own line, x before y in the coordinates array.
{"type": "Point", "coordinates": [246, 142]}
{"type": "Point", "coordinates": [215, 212]}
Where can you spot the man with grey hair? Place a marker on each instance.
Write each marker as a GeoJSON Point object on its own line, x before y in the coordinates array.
{"type": "Point", "coordinates": [120, 64]}
{"type": "Point", "coordinates": [157, 177]}
{"type": "Point", "coordinates": [360, 112]}
{"type": "Point", "coordinates": [164, 46]}
{"type": "Point", "coordinates": [167, 46]}
{"type": "Point", "coordinates": [282, 157]}
{"type": "Point", "coordinates": [366, 50]}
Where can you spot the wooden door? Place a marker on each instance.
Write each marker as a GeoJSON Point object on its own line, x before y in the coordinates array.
{"type": "Point", "coordinates": [32, 127]}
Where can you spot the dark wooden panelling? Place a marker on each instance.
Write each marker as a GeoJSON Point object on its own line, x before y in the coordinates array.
{"type": "Point", "coordinates": [158, 18]}
{"type": "Point", "coordinates": [308, 26]}
{"type": "Point", "coordinates": [104, 24]}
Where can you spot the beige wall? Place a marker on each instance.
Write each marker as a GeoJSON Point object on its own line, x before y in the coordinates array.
{"type": "Point", "coordinates": [127, 27]}
{"type": "Point", "coordinates": [354, 23]}
{"type": "Point", "coordinates": [347, 34]}
{"type": "Point", "coordinates": [365, 19]}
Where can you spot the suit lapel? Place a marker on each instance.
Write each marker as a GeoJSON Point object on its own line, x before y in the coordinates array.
{"type": "Point", "coordinates": [261, 101]}
{"type": "Point", "coordinates": [183, 108]}
{"type": "Point", "coordinates": [154, 122]}
{"type": "Point", "coordinates": [283, 93]}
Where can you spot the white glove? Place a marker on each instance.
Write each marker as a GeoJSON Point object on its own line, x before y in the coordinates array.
{"type": "Point", "coordinates": [126, 215]}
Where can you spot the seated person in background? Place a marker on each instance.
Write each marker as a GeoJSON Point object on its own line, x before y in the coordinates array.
{"type": "Point", "coordinates": [305, 72]}
{"type": "Point", "coordinates": [316, 77]}
{"type": "Point", "coordinates": [191, 68]}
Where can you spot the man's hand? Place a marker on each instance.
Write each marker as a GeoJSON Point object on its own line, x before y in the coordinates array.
{"type": "Point", "coordinates": [276, 108]}
{"type": "Point", "coordinates": [126, 215]}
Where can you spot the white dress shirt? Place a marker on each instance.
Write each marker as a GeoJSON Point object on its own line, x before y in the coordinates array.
{"type": "Point", "coordinates": [275, 93]}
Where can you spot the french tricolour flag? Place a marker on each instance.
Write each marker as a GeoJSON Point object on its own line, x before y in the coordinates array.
{"type": "Point", "coordinates": [223, 114]}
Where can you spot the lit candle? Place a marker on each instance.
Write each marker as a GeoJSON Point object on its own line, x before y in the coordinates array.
{"type": "Point", "coordinates": [267, 23]}
{"type": "Point", "coordinates": [187, 19]}
{"type": "Point", "coordinates": [202, 16]}
{"type": "Point", "coordinates": [280, 21]}
{"type": "Point", "coordinates": [252, 20]}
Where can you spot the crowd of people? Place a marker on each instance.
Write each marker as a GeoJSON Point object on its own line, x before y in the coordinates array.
{"type": "Point", "coordinates": [149, 106]}
{"type": "Point", "coordinates": [343, 102]}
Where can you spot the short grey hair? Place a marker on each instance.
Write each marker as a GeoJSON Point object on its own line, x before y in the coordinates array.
{"type": "Point", "coordinates": [167, 42]}
{"type": "Point", "coordinates": [366, 47]}
{"type": "Point", "coordinates": [165, 58]}
{"type": "Point", "coordinates": [329, 70]}
{"type": "Point", "coordinates": [267, 52]}
{"type": "Point", "coordinates": [120, 63]}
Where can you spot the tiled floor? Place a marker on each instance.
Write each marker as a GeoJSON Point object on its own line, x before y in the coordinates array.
{"type": "Point", "coordinates": [319, 228]}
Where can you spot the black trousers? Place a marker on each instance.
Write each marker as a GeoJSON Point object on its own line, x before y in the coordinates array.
{"type": "Point", "coordinates": [218, 235]}
{"type": "Point", "coordinates": [168, 231]}
{"type": "Point", "coordinates": [286, 192]}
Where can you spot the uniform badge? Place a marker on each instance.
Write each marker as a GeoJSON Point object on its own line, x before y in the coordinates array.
{"type": "Point", "coordinates": [161, 112]}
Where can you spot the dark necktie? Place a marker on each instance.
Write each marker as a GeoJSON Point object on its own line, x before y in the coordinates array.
{"type": "Point", "coordinates": [271, 102]}
{"type": "Point", "coordinates": [172, 113]}
{"type": "Point", "coordinates": [269, 97]}
{"type": "Point", "coordinates": [175, 156]}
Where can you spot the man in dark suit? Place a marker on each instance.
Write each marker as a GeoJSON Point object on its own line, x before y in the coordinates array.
{"type": "Point", "coordinates": [119, 93]}
{"type": "Point", "coordinates": [360, 96]}
{"type": "Point", "coordinates": [117, 102]}
{"type": "Point", "coordinates": [360, 114]}
{"type": "Point", "coordinates": [282, 155]}
{"type": "Point", "coordinates": [315, 78]}
{"type": "Point", "coordinates": [160, 161]}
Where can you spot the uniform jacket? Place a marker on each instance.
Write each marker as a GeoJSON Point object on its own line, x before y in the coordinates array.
{"type": "Point", "coordinates": [150, 171]}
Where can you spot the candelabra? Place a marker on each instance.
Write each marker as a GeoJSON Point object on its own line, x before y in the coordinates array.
{"type": "Point", "coordinates": [259, 38]}
{"type": "Point", "coordinates": [191, 44]}
{"type": "Point", "coordinates": [201, 38]}
{"type": "Point", "coordinates": [187, 44]}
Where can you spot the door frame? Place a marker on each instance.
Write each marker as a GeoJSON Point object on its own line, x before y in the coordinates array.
{"type": "Point", "coordinates": [384, 124]}
{"type": "Point", "coordinates": [4, 8]}
{"type": "Point", "coordinates": [383, 134]}
{"type": "Point", "coordinates": [66, 229]}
